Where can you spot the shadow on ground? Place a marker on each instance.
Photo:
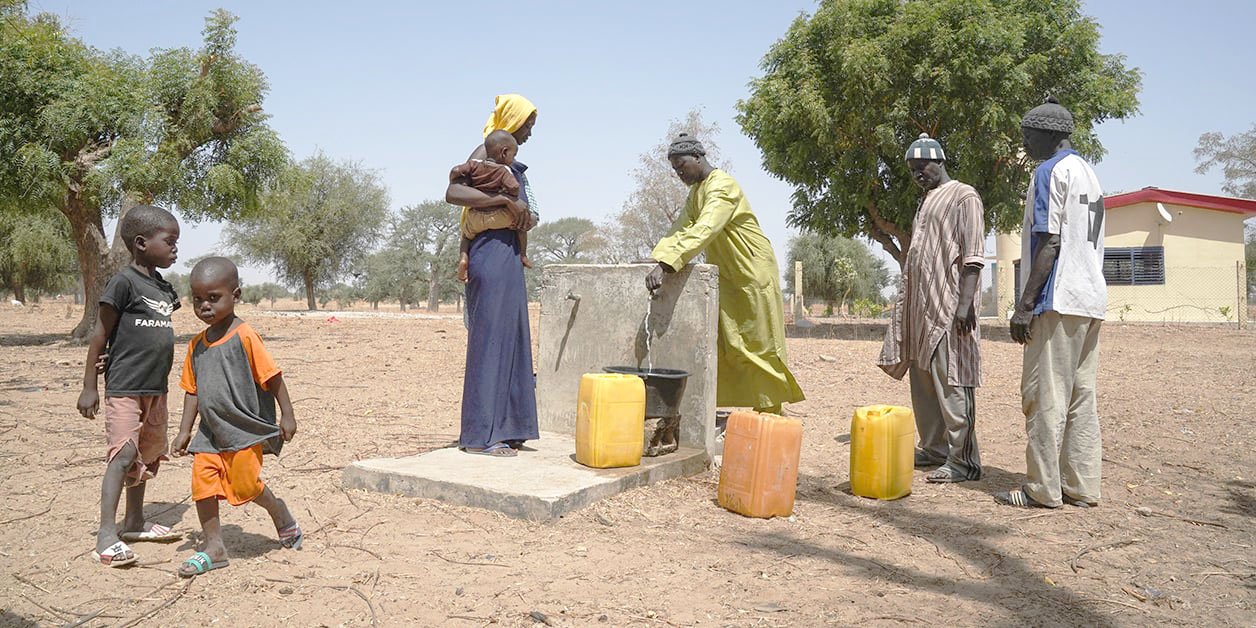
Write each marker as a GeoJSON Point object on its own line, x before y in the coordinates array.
{"type": "Point", "coordinates": [983, 573]}
{"type": "Point", "coordinates": [240, 544]}
{"type": "Point", "coordinates": [9, 619]}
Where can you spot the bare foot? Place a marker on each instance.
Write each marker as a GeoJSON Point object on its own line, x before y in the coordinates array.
{"type": "Point", "coordinates": [527, 263]}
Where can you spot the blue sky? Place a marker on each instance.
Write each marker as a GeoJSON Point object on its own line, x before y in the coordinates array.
{"type": "Point", "coordinates": [404, 87]}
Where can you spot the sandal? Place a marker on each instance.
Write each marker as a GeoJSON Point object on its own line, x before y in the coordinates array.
{"type": "Point", "coordinates": [117, 555]}
{"type": "Point", "coordinates": [499, 450]}
{"type": "Point", "coordinates": [945, 475]}
{"type": "Point", "coordinates": [197, 564]}
{"type": "Point", "coordinates": [291, 536]}
{"type": "Point", "coordinates": [922, 459]}
{"type": "Point", "coordinates": [152, 532]}
{"type": "Point", "coordinates": [1017, 498]}
{"type": "Point", "coordinates": [1073, 501]}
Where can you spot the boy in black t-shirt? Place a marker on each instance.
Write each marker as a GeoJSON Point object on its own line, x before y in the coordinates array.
{"type": "Point", "coordinates": [133, 330]}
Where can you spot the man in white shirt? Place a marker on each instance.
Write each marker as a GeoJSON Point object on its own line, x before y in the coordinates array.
{"type": "Point", "coordinates": [1058, 316]}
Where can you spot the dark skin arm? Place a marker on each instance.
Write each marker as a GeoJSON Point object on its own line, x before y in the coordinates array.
{"type": "Point", "coordinates": [655, 278]}
{"type": "Point", "coordinates": [1044, 255]}
{"type": "Point", "coordinates": [287, 420]}
{"type": "Point", "coordinates": [966, 311]}
{"type": "Point", "coordinates": [89, 399]}
{"type": "Point", "coordinates": [180, 444]}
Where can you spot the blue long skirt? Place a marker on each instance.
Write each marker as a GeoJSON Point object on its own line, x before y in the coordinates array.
{"type": "Point", "coordinates": [498, 395]}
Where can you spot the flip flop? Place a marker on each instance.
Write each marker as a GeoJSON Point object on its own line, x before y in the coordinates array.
{"type": "Point", "coordinates": [198, 564]}
{"type": "Point", "coordinates": [117, 555]}
{"type": "Point", "coordinates": [152, 532]}
{"type": "Point", "coordinates": [291, 536]}
{"type": "Point", "coordinates": [1073, 501]}
{"type": "Point", "coordinates": [1017, 498]}
{"type": "Point", "coordinates": [945, 475]}
{"type": "Point", "coordinates": [497, 450]}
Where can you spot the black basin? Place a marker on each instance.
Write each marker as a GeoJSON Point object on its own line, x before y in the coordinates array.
{"type": "Point", "coordinates": [664, 388]}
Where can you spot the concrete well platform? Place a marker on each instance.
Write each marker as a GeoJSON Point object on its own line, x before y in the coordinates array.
{"type": "Point", "coordinates": [538, 485]}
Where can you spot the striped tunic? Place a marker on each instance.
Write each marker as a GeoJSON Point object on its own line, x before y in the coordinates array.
{"type": "Point", "coordinates": [948, 232]}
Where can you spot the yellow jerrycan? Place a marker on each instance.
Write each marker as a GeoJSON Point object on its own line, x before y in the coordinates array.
{"type": "Point", "coordinates": [882, 445]}
{"type": "Point", "coordinates": [760, 470]}
{"type": "Point", "coordinates": [610, 420]}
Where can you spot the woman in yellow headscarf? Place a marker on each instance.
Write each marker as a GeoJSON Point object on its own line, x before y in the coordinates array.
{"type": "Point", "coordinates": [498, 395]}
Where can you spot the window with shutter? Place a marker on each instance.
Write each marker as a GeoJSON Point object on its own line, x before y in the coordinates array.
{"type": "Point", "coordinates": [1134, 266]}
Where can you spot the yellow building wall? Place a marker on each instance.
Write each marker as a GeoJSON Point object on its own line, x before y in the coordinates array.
{"type": "Point", "coordinates": [1201, 250]}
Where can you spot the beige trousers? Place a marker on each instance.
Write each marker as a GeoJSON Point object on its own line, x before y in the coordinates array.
{"type": "Point", "coordinates": [1063, 451]}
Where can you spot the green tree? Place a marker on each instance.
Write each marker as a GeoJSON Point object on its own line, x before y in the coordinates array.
{"type": "Point", "coordinates": [848, 88]}
{"type": "Point", "coordinates": [271, 291]}
{"type": "Point", "coordinates": [321, 218]}
{"type": "Point", "coordinates": [251, 294]}
{"type": "Point", "coordinates": [1235, 155]}
{"type": "Point", "coordinates": [659, 197]}
{"type": "Point", "coordinates": [436, 233]}
{"type": "Point", "coordinates": [565, 241]}
{"type": "Point", "coordinates": [94, 134]}
{"type": "Point", "coordinates": [36, 254]}
{"type": "Point", "coordinates": [835, 269]}
{"type": "Point", "coordinates": [182, 284]}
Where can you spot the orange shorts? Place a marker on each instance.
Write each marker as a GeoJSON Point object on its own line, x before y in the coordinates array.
{"type": "Point", "coordinates": [231, 475]}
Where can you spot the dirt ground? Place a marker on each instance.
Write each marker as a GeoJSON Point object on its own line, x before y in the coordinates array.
{"type": "Point", "coordinates": [1172, 542]}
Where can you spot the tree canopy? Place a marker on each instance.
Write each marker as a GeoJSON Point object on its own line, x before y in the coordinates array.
{"type": "Point", "coordinates": [1235, 155]}
{"type": "Point", "coordinates": [565, 241]}
{"type": "Point", "coordinates": [321, 218]}
{"type": "Point", "coordinates": [848, 88]}
{"type": "Point", "coordinates": [95, 133]}
{"type": "Point", "coordinates": [835, 269]}
{"type": "Point", "coordinates": [36, 254]}
{"type": "Point", "coordinates": [659, 196]}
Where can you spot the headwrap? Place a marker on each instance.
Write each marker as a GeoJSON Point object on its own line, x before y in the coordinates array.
{"type": "Point", "coordinates": [685, 145]}
{"type": "Point", "coordinates": [1049, 116]}
{"type": "Point", "coordinates": [926, 148]}
{"type": "Point", "coordinates": [510, 112]}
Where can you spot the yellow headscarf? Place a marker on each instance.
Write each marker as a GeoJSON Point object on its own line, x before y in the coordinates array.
{"type": "Point", "coordinates": [510, 112]}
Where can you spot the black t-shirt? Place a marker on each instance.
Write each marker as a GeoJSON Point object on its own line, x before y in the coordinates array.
{"type": "Point", "coordinates": [141, 347]}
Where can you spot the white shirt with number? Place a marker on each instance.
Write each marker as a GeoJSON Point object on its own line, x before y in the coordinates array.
{"type": "Point", "coordinates": [1065, 199]}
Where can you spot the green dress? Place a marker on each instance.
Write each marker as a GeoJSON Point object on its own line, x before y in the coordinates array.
{"type": "Point", "coordinates": [718, 220]}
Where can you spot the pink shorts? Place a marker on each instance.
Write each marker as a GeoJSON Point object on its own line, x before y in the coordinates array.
{"type": "Point", "coordinates": [142, 422]}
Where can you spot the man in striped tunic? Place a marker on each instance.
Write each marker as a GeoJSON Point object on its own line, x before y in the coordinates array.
{"type": "Point", "coordinates": [933, 334]}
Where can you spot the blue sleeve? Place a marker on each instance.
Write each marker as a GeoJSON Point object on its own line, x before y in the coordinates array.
{"type": "Point", "coordinates": [1042, 199]}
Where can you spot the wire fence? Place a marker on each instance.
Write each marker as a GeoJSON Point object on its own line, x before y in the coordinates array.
{"type": "Point", "coordinates": [1216, 295]}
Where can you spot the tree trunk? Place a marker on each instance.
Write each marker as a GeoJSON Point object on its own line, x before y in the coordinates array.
{"type": "Point", "coordinates": [19, 290]}
{"type": "Point", "coordinates": [433, 291]}
{"type": "Point", "coordinates": [98, 261]}
{"type": "Point", "coordinates": [309, 291]}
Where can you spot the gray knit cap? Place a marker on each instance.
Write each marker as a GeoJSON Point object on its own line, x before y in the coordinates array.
{"type": "Point", "coordinates": [926, 148]}
{"type": "Point", "coordinates": [1049, 116]}
{"type": "Point", "coordinates": [684, 144]}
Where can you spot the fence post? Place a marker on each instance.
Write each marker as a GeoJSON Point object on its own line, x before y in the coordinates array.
{"type": "Point", "coordinates": [1241, 275]}
{"type": "Point", "coordinates": [798, 298]}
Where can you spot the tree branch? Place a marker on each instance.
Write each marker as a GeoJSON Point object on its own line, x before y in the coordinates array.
{"type": "Point", "coordinates": [223, 127]}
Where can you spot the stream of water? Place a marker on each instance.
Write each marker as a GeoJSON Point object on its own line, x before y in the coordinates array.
{"type": "Point", "coordinates": [648, 354]}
